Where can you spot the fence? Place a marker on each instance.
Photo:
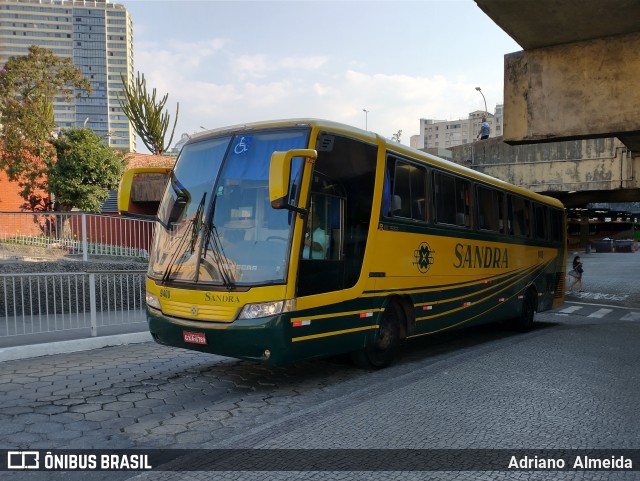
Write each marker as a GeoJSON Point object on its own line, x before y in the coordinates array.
{"type": "Point", "coordinates": [58, 234]}
{"type": "Point", "coordinates": [62, 301]}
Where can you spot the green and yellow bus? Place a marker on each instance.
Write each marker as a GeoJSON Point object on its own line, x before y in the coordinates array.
{"type": "Point", "coordinates": [297, 239]}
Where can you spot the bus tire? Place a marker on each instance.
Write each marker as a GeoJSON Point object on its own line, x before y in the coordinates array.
{"type": "Point", "coordinates": [524, 322]}
{"type": "Point", "coordinates": [384, 347]}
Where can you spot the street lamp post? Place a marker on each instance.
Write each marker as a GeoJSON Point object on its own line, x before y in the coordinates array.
{"type": "Point", "coordinates": [366, 119]}
{"type": "Point", "coordinates": [485, 100]}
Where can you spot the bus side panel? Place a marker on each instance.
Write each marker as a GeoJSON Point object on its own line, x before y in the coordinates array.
{"type": "Point", "coordinates": [462, 281]}
{"type": "Point", "coordinates": [334, 329]}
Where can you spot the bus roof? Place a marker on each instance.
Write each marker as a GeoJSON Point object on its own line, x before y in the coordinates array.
{"type": "Point", "coordinates": [367, 136]}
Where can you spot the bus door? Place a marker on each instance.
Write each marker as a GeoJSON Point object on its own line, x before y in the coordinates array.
{"type": "Point", "coordinates": [337, 212]}
{"type": "Point", "coordinates": [322, 258]}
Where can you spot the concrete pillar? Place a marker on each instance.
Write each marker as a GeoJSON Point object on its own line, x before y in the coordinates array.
{"type": "Point", "coordinates": [584, 231]}
{"type": "Point", "coordinates": [572, 91]}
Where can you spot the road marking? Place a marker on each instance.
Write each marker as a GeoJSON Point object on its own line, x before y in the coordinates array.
{"type": "Point", "coordinates": [600, 305]}
{"type": "Point", "coordinates": [632, 316]}
{"type": "Point", "coordinates": [599, 296]}
{"type": "Point", "coordinates": [600, 313]}
{"type": "Point", "coordinates": [570, 310]}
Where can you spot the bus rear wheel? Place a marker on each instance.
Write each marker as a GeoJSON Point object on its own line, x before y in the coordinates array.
{"type": "Point", "coordinates": [384, 347]}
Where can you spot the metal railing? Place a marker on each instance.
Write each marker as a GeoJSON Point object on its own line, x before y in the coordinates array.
{"type": "Point", "coordinates": [59, 234]}
{"type": "Point", "coordinates": [63, 301]}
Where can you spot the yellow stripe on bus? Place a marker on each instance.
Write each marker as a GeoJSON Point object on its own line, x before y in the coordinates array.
{"type": "Point", "coordinates": [452, 325]}
{"type": "Point", "coordinates": [322, 317]}
{"type": "Point", "coordinates": [478, 301]}
{"type": "Point", "coordinates": [333, 333]}
{"type": "Point", "coordinates": [441, 288]}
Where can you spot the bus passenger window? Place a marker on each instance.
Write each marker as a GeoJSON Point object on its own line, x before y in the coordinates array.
{"type": "Point", "coordinates": [489, 209]}
{"type": "Point", "coordinates": [519, 214]}
{"type": "Point", "coordinates": [557, 225]}
{"type": "Point", "coordinates": [452, 200]}
{"type": "Point", "coordinates": [445, 191]}
{"type": "Point", "coordinates": [540, 216]}
{"type": "Point", "coordinates": [463, 191]}
{"type": "Point", "coordinates": [406, 192]}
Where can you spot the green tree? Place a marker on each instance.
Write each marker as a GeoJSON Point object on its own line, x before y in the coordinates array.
{"type": "Point", "coordinates": [85, 171]}
{"type": "Point", "coordinates": [146, 114]}
{"type": "Point", "coordinates": [28, 87]}
{"type": "Point", "coordinates": [396, 137]}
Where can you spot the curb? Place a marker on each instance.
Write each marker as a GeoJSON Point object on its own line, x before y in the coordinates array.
{"type": "Point", "coordinates": [65, 347]}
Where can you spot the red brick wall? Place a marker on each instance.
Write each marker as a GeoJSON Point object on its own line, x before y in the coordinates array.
{"type": "Point", "coordinates": [10, 201]}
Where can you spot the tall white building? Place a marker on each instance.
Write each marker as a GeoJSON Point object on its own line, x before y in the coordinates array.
{"type": "Point", "coordinates": [98, 37]}
{"type": "Point", "coordinates": [444, 134]}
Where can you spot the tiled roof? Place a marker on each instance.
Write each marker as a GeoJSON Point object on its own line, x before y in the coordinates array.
{"type": "Point", "coordinates": [148, 160]}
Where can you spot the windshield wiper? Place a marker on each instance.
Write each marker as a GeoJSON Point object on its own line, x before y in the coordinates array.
{"type": "Point", "coordinates": [177, 252]}
{"type": "Point", "coordinates": [212, 238]}
{"type": "Point", "coordinates": [195, 225]}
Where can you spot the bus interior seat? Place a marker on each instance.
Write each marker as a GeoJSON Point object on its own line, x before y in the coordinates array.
{"type": "Point", "coordinates": [396, 206]}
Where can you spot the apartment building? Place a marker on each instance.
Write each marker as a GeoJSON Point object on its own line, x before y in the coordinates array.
{"type": "Point", "coordinates": [97, 36]}
{"type": "Point", "coordinates": [444, 134]}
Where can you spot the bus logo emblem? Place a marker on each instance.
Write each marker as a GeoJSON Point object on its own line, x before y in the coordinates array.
{"type": "Point", "coordinates": [424, 257]}
{"type": "Point", "coordinates": [194, 310]}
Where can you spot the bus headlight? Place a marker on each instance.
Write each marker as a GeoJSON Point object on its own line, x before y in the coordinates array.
{"type": "Point", "coordinates": [266, 309]}
{"type": "Point", "coordinates": [152, 300]}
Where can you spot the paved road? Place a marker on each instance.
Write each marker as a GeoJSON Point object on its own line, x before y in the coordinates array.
{"type": "Point", "coordinates": [573, 382]}
{"type": "Point", "coordinates": [609, 278]}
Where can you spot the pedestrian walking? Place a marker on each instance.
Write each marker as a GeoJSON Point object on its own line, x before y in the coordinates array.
{"type": "Point", "coordinates": [576, 274]}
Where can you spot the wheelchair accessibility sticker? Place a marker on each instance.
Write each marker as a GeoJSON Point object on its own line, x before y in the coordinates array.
{"type": "Point", "coordinates": [242, 145]}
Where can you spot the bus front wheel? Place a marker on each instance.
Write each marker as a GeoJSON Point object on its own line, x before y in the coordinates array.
{"type": "Point", "coordinates": [383, 348]}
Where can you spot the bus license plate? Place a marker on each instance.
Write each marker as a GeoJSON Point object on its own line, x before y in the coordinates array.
{"type": "Point", "coordinates": [194, 337]}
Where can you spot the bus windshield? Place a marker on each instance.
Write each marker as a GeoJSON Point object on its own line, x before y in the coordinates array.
{"type": "Point", "coordinates": [216, 224]}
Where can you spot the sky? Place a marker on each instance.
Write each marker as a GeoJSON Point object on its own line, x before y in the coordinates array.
{"type": "Point", "coordinates": [239, 61]}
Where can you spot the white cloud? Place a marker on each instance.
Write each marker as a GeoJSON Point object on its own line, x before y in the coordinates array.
{"type": "Point", "coordinates": [303, 63]}
{"type": "Point", "coordinates": [273, 59]}
{"type": "Point", "coordinates": [215, 88]}
{"type": "Point", "coordinates": [176, 54]}
{"type": "Point", "coordinates": [255, 66]}
{"type": "Point", "coordinates": [259, 66]}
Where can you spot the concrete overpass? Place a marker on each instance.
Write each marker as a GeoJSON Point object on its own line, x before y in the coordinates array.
{"type": "Point", "coordinates": [576, 79]}
{"type": "Point", "coordinates": [577, 172]}
{"type": "Point", "coordinates": [577, 76]}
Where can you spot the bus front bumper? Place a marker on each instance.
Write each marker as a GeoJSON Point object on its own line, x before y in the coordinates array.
{"type": "Point", "coordinates": [261, 340]}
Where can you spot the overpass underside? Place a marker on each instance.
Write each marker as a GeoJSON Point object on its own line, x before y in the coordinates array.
{"type": "Point", "coordinates": [583, 90]}
{"type": "Point", "coordinates": [577, 172]}
{"type": "Point", "coordinates": [577, 74]}
{"type": "Point", "coordinates": [576, 80]}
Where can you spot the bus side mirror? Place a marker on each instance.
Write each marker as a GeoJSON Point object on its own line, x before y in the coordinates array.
{"type": "Point", "coordinates": [141, 190]}
{"type": "Point", "coordinates": [280, 176]}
